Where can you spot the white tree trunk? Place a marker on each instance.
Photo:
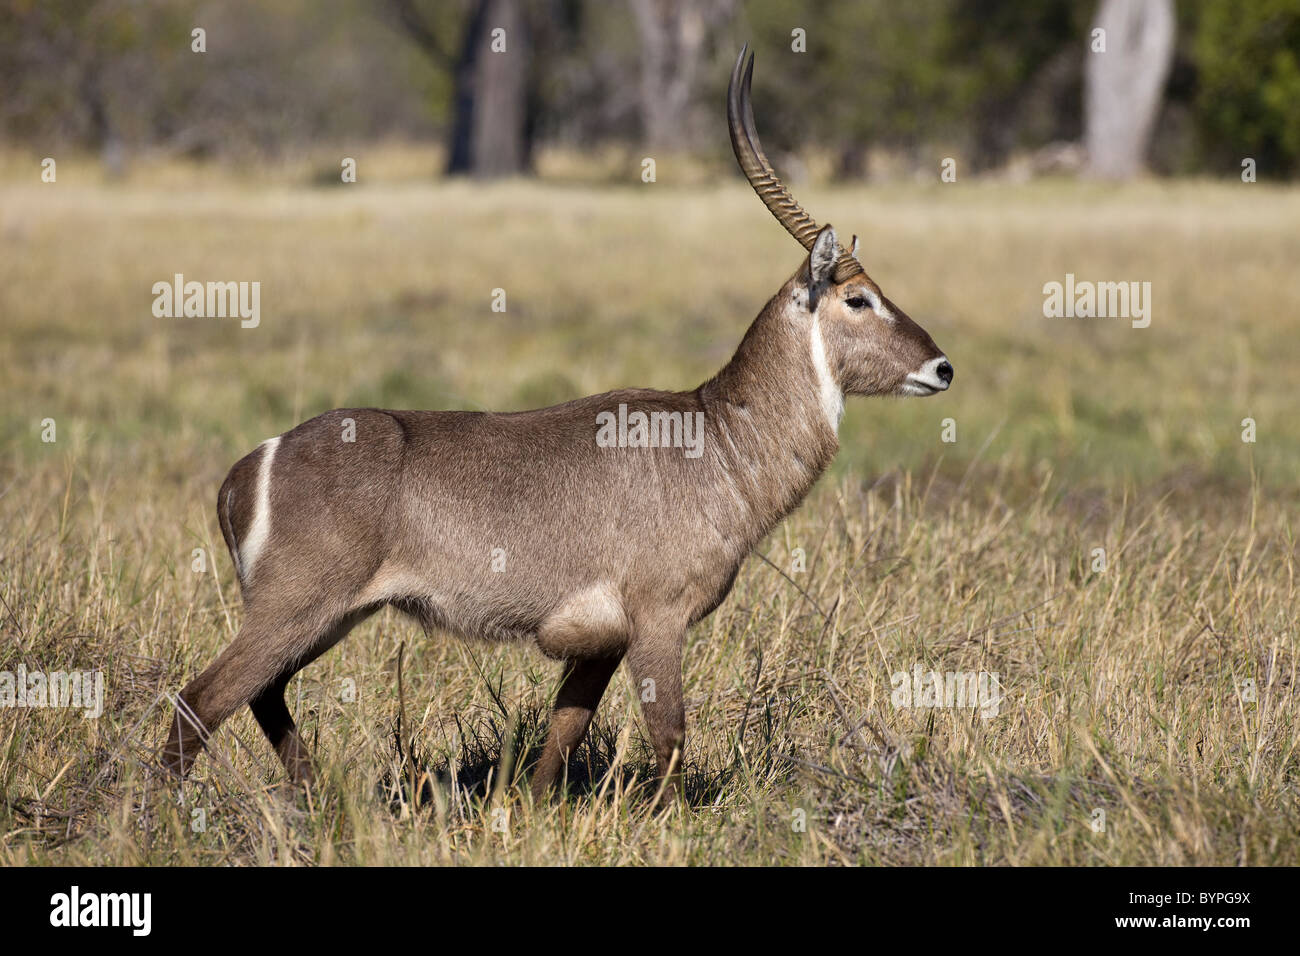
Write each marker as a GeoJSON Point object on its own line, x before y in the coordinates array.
{"type": "Point", "coordinates": [1123, 85]}
{"type": "Point", "coordinates": [672, 35]}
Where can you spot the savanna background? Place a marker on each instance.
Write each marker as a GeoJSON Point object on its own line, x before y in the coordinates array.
{"type": "Point", "coordinates": [1153, 683]}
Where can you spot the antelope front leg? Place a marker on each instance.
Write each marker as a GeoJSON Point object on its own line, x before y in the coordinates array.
{"type": "Point", "coordinates": [581, 688]}
{"type": "Point", "coordinates": [655, 660]}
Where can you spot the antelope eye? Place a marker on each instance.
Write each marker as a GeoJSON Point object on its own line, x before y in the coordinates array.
{"type": "Point", "coordinates": [856, 302]}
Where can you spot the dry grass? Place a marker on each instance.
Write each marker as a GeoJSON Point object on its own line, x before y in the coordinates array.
{"type": "Point", "coordinates": [1123, 689]}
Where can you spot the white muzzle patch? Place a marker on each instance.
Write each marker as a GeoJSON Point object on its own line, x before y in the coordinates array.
{"type": "Point", "coordinates": [927, 380]}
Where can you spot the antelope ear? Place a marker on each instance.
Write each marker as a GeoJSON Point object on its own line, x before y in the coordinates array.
{"type": "Point", "coordinates": [821, 264]}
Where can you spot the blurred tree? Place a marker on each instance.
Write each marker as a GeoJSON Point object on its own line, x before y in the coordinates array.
{"type": "Point", "coordinates": [974, 79]}
{"type": "Point", "coordinates": [500, 69]}
{"type": "Point", "coordinates": [1022, 75]}
{"type": "Point", "coordinates": [120, 76]}
{"type": "Point", "coordinates": [1247, 55]}
{"type": "Point", "coordinates": [489, 69]}
{"type": "Point", "coordinates": [915, 82]}
{"type": "Point", "coordinates": [672, 35]}
{"type": "Point", "coordinates": [79, 44]}
{"type": "Point", "coordinates": [1124, 83]}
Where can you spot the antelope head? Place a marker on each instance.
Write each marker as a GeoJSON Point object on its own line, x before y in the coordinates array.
{"type": "Point", "coordinates": [870, 345]}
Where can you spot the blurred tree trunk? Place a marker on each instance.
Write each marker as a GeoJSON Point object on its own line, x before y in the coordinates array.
{"type": "Point", "coordinates": [490, 133]}
{"type": "Point", "coordinates": [103, 132]}
{"type": "Point", "coordinates": [1123, 85]}
{"type": "Point", "coordinates": [672, 34]}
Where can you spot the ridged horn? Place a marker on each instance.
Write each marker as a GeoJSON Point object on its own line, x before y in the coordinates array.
{"type": "Point", "coordinates": [754, 164]}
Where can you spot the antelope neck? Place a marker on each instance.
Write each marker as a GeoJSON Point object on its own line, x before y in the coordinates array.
{"type": "Point", "coordinates": [773, 411]}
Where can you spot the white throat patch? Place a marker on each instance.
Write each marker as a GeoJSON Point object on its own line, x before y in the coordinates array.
{"type": "Point", "coordinates": [829, 392]}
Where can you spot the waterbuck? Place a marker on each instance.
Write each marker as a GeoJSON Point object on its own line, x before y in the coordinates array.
{"type": "Point", "coordinates": [567, 526]}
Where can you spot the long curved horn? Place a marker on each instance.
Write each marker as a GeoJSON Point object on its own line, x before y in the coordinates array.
{"type": "Point", "coordinates": [754, 164]}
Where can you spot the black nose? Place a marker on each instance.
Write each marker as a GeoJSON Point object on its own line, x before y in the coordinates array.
{"type": "Point", "coordinates": [944, 371]}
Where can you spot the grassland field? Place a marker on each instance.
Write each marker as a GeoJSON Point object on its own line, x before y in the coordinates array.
{"type": "Point", "coordinates": [1149, 713]}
